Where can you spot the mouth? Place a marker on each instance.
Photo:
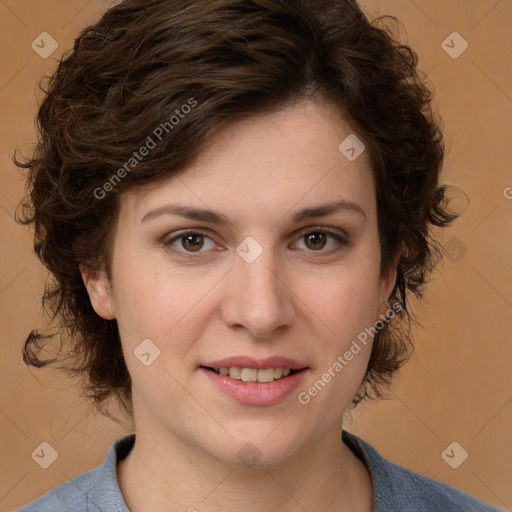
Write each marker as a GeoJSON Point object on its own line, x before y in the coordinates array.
{"type": "Point", "coordinates": [261, 375]}
{"type": "Point", "coordinates": [252, 381]}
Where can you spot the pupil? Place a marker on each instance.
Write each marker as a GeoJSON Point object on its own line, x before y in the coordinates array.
{"type": "Point", "coordinates": [194, 242]}
{"type": "Point", "coordinates": [317, 240]}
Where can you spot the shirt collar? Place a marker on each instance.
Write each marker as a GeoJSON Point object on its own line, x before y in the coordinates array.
{"type": "Point", "coordinates": [106, 493]}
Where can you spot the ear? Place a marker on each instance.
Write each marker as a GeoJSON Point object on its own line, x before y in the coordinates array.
{"type": "Point", "coordinates": [98, 287]}
{"type": "Point", "coordinates": [387, 283]}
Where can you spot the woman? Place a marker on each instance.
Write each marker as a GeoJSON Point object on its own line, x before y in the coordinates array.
{"type": "Point", "coordinates": [235, 199]}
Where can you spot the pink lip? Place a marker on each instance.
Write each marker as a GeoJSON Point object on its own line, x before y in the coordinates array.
{"type": "Point", "coordinates": [251, 362]}
{"type": "Point", "coordinates": [255, 393]}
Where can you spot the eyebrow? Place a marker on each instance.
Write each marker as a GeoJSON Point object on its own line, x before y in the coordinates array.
{"type": "Point", "coordinates": [214, 217]}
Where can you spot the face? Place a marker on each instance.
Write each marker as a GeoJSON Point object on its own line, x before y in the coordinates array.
{"type": "Point", "coordinates": [271, 280]}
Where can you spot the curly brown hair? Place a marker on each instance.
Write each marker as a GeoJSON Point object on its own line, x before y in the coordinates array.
{"type": "Point", "coordinates": [135, 68]}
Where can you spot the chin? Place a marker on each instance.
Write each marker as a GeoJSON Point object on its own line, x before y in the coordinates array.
{"type": "Point", "coordinates": [256, 447]}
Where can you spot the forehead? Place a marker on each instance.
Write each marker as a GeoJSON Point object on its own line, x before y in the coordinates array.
{"type": "Point", "coordinates": [267, 165]}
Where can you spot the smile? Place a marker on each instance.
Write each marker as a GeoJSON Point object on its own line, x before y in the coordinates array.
{"type": "Point", "coordinates": [252, 386]}
{"type": "Point", "coordinates": [254, 374]}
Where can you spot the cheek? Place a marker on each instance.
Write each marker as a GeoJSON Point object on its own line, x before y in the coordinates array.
{"type": "Point", "coordinates": [160, 303]}
{"type": "Point", "coordinates": [347, 304]}
{"type": "Point", "coordinates": [157, 305]}
{"type": "Point", "coordinates": [346, 301]}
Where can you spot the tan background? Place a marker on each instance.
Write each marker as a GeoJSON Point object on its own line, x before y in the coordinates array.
{"type": "Point", "coordinates": [457, 387]}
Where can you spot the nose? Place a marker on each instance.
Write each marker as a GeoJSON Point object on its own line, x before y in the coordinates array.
{"type": "Point", "coordinates": [257, 297]}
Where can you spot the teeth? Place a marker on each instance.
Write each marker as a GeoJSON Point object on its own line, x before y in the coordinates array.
{"type": "Point", "coordinates": [266, 375]}
{"type": "Point", "coordinates": [235, 372]}
{"type": "Point", "coordinates": [253, 374]}
{"type": "Point", "coordinates": [249, 375]}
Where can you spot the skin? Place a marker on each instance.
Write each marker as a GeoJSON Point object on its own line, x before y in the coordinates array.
{"type": "Point", "coordinates": [294, 300]}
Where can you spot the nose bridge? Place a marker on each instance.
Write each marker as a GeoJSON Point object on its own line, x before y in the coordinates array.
{"type": "Point", "coordinates": [257, 298]}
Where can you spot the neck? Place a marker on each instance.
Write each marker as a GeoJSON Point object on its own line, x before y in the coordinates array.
{"type": "Point", "coordinates": [164, 473]}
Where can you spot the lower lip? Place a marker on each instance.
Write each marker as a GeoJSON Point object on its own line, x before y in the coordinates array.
{"type": "Point", "coordinates": [256, 393]}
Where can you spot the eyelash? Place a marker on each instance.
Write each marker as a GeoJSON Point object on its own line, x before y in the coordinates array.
{"type": "Point", "coordinates": [339, 238]}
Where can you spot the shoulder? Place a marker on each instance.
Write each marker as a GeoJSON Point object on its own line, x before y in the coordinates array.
{"type": "Point", "coordinates": [96, 490]}
{"type": "Point", "coordinates": [398, 488]}
{"type": "Point", "coordinates": [71, 495]}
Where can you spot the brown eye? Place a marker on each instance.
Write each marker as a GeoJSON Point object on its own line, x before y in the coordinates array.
{"type": "Point", "coordinates": [193, 242]}
{"type": "Point", "coordinates": [321, 241]}
{"type": "Point", "coordinates": [190, 244]}
{"type": "Point", "coordinates": [315, 240]}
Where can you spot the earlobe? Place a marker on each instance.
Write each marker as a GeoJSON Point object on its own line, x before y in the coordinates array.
{"type": "Point", "coordinates": [98, 287]}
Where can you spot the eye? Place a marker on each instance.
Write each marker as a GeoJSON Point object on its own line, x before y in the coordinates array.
{"type": "Point", "coordinates": [189, 242]}
{"type": "Point", "coordinates": [316, 240]}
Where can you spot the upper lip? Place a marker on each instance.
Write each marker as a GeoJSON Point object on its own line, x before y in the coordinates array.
{"type": "Point", "coordinates": [252, 362]}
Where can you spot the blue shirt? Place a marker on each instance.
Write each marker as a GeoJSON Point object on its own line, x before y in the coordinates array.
{"type": "Point", "coordinates": [395, 488]}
